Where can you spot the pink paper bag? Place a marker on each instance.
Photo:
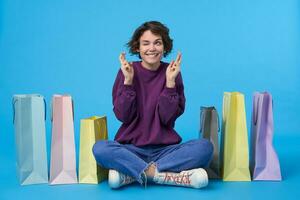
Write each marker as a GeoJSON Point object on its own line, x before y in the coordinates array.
{"type": "Point", "coordinates": [63, 157]}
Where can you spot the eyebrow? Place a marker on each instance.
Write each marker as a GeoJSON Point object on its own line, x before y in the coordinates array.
{"type": "Point", "coordinates": [154, 40]}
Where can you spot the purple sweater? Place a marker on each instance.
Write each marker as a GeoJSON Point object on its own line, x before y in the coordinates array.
{"type": "Point", "coordinates": [147, 108]}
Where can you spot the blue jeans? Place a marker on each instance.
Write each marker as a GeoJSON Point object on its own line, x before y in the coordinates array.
{"type": "Point", "coordinates": [133, 161]}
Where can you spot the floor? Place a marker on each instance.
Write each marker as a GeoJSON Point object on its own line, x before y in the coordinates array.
{"type": "Point", "coordinates": [288, 148]}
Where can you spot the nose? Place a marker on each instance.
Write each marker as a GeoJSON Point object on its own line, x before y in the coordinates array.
{"type": "Point", "coordinates": [152, 47]}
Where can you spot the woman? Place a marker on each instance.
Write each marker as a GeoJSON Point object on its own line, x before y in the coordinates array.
{"type": "Point", "coordinates": [148, 96]}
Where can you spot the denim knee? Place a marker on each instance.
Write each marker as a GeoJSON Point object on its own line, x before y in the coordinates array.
{"type": "Point", "coordinates": [100, 151]}
{"type": "Point", "coordinates": [205, 151]}
{"type": "Point", "coordinates": [209, 148]}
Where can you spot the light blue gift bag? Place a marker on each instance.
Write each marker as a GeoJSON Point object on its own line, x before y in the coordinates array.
{"type": "Point", "coordinates": [29, 114]}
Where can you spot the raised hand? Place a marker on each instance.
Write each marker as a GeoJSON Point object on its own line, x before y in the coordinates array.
{"type": "Point", "coordinates": [172, 71]}
{"type": "Point", "coordinates": [127, 69]}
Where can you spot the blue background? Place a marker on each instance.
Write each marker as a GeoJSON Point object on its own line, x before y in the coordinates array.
{"type": "Point", "coordinates": [72, 46]}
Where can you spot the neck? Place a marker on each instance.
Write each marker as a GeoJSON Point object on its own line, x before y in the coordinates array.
{"type": "Point", "coordinates": [152, 67]}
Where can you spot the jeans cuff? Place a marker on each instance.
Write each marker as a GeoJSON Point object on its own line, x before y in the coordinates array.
{"type": "Point", "coordinates": [143, 177]}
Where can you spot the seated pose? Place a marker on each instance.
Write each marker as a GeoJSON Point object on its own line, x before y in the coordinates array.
{"type": "Point", "coordinates": [148, 96]}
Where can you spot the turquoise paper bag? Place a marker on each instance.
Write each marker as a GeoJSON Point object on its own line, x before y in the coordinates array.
{"type": "Point", "coordinates": [29, 114]}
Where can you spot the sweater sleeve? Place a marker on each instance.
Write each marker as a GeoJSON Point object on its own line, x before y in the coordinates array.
{"type": "Point", "coordinates": [171, 103]}
{"type": "Point", "coordinates": [124, 100]}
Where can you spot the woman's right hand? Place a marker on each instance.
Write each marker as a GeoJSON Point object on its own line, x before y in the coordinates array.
{"type": "Point", "coordinates": [127, 69]}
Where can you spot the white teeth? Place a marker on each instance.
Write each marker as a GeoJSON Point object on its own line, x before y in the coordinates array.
{"type": "Point", "coordinates": [152, 54]}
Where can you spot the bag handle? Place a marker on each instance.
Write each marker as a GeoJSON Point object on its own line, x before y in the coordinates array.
{"type": "Point", "coordinates": [218, 120]}
{"type": "Point", "coordinates": [255, 110]}
{"type": "Point", "coordinates": [13, 107]}
{"type": "Point", "coordinates": [260, 98]}
{"type": "Point", "coordinates": [201, 118]}
{"type": "Point", "coordinates": [45, 107]}
{"type": "Point", "coordinates": [51, 106]}
{"type": "Point", "coordinates": [14, 110]}
{"type": "Point", "coordinates": [72, 108]}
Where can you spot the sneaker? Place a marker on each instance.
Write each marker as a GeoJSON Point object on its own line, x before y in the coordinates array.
{"type": "Point", "coordinates": [195, 178]}
{"type": "Point", "coordinates": [117, 179]}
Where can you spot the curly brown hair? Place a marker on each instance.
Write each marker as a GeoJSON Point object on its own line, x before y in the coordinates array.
{"type": "Point", "coordinates": [156, 28]}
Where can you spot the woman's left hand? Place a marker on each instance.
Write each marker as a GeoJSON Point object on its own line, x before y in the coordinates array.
{"type": "Point", "coordinates": [172, 71]}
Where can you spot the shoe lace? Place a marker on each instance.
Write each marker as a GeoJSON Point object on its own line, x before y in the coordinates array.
{"type": "Point", "coordinates": [127, 179]}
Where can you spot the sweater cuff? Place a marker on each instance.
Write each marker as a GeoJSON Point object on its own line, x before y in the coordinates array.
{"type": "Point", "coordinates": [128, 87]}
{"type": "Point", "coordinates": [170, 91]}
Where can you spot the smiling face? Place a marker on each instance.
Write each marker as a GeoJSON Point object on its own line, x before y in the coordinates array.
{"type": "Point", "coordinates": [151, 50]}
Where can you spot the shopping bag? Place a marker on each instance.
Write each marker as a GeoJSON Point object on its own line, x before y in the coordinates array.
{"type": "Point", "coordinates": [209, 128]}
{"type": "Point", "coordinates": [29, 114]}
{"type": "Point", "coordinates": [91, 130]}
{"type": "Point", "coordinates": [63, 158]}
{"type": "Point", "coordinates": [235, 152]}
{"type": "Point", "coordinates": [264, 160]}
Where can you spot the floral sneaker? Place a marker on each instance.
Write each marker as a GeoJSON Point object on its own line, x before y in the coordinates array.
{"type": "Point", "coordinates": [117, 179]}
{"type": "Point", "coordinates": [195, 178]}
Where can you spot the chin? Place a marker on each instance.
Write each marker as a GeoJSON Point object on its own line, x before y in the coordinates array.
{"type": "Point", "coordinates": [152, 62]}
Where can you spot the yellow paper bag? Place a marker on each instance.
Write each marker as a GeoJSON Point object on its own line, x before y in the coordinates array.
{"type": "Point", "coordinates": [234, 145]}
{"type": "Point", "coordinates": [91, 130]}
